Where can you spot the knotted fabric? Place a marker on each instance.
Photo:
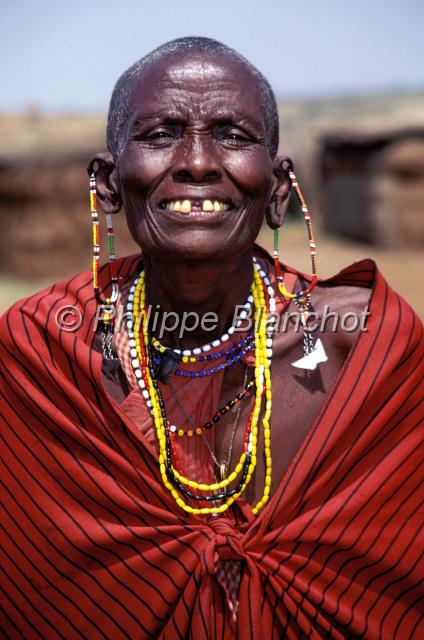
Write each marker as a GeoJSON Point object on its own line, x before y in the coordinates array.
{"type": "Point", "coordinates": [225, 544]}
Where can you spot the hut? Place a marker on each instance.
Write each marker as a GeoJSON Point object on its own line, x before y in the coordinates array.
{"type": "Point", "coordinates": [372, 186]}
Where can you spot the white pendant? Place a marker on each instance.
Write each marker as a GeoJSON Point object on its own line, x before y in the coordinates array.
{"type": "Point", "coordinates": [313, 359]}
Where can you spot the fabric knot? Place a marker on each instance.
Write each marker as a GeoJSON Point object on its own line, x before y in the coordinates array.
{"type": "Point", "coordinates": [225, 544]}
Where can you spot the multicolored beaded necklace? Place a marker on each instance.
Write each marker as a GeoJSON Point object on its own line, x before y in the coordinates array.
{"type": "Point", "coordinates": [198, 353]}
{"type": "Point", "coordinates": [220, 367]}
{"type": "Point", "coordinates": [216, 418]}
{"type": "Point", "coordinates": [205, 357]}
{"type": "Point", "coordinates": [143, 366]}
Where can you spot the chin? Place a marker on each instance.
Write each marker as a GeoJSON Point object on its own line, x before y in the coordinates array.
{"type": "Point", "coordinates": [197, 250]}
{"type": "Point", "coordinates": [192, 253]}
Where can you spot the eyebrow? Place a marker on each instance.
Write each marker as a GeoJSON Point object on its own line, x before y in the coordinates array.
{"type": "Point", "coordinates": [157, 116]}
{"type": "Point", "coordinates": [221, 118]}
{"type": "Point", "coordinates": [227, 117]}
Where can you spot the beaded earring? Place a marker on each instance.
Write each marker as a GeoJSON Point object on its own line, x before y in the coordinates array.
{"type": "Point", "coordinates": [314, 352]}
{"type": "Point", "coordinates": [107, 305]}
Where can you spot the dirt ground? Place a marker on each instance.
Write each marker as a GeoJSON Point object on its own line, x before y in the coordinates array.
{"type": "Point", "coordinates": [401, 267]}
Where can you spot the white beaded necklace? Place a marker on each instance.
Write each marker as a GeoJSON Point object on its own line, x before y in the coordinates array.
{"type": "Point", "coordinates": [135, 362]}
{"type": "Point", "coordinates": [196, 351]}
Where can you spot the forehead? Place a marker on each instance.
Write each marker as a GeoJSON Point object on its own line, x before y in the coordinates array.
{"type": "Point", "coordinates": [198, 85]}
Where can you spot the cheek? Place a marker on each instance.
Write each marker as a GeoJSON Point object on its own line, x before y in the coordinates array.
{"type": "Point", "coordinates": [252, 171]}
{"type": "Point", "coordinates": [140, 170]}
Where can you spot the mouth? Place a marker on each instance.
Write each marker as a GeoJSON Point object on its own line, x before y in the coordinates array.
{"type": "Point", "coordinates": [206, 206]}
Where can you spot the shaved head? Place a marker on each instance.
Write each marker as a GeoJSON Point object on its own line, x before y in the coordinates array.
{"type": "Point", "coordinates": [120, 104]}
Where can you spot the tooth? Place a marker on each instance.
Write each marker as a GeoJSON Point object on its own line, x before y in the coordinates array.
{"type": "Point", "coordinates": [185, 206]}
{"type": "Point", "coordinates": [177, 205]}
{"type": "Point", "coordinates": [207, 205]}
{"type": "Point", "coordinates": [226, 206]}
{"type": "Point", "coordinates": [171, 206]}
{"type": "Point", "coordinates": [216, 205]}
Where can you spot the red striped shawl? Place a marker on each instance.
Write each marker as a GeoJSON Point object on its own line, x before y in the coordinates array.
{"type": "Point", "coordinates": [93, 546]}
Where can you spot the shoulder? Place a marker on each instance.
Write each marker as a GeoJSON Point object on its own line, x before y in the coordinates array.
{"type": "Point", "coordinates": [38, 312]}
{"type": "Point", "coordinates": [342, 302]}
{"type": "Point", "coordinates": [363, 282]}
{"type": "Point", "coordinates": [68, 306]}
{"type": "Point", "coordinates": [47, 343]}
{"type": "Point", "coordinates": [356, 300]}
{"type": "Point", "coordinates": [361, 301]}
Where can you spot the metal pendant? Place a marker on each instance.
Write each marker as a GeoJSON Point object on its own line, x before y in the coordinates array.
{"type": "Point", "coordinates": [107, 350]}
{"type": "Point", "coordinates": [311, 360]}
{"type": "Point", "coordinates": [223, 471]}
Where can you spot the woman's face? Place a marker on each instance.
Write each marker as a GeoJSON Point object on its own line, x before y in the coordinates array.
{"type": "Point", "coordinates": [194, 171]}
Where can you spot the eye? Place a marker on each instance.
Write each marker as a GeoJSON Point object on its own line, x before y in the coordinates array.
{"type": "Point", "coordinates": [160, 136]}
{"type": "Point", "coordinates": [236, 137]}
{"type": "Point", "coordinates": [233, 137]}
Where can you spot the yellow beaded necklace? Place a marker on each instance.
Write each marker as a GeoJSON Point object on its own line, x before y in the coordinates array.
{"type": "Point", "coordinates": [263, 388]}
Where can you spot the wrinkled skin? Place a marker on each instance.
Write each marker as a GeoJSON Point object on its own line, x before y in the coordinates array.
{"type": "Point", "coordinates": [205, 148]}
{"type": "Point", "coordinates": [197, 131]}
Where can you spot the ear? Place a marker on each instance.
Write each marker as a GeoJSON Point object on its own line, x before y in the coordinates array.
{"type": "Point", "coordinates": [106, 173]}
{"type": "Point", "coordinates": [280, 196]}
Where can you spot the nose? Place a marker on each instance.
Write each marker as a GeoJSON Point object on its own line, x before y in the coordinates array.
{"type": "Point", "coordinates": [196, 161]}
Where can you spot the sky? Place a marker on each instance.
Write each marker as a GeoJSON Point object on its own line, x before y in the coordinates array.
{"type": "Point", "coordinates": [66, 55]}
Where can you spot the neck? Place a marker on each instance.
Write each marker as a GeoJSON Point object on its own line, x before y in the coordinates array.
{"type": "Point", "coordinates": [184, 291]}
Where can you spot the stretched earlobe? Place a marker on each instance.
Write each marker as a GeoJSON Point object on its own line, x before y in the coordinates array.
{"type": "Point", "coordinates": [103, 166]}
{"type": "Point", "coordinates": [277, 209]}
{"type": "Point", "coordinates": [274, 215]}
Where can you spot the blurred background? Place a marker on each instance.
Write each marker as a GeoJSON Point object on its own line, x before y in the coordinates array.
{"type": "Point", "coordinates": [349, 78]}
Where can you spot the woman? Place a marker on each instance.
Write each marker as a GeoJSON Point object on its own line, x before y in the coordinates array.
{"type": "Point", "coordinates": [167, 482]}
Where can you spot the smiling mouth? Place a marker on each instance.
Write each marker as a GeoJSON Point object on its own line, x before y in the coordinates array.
{"type": "Point", "coordinates": [196, 206]}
